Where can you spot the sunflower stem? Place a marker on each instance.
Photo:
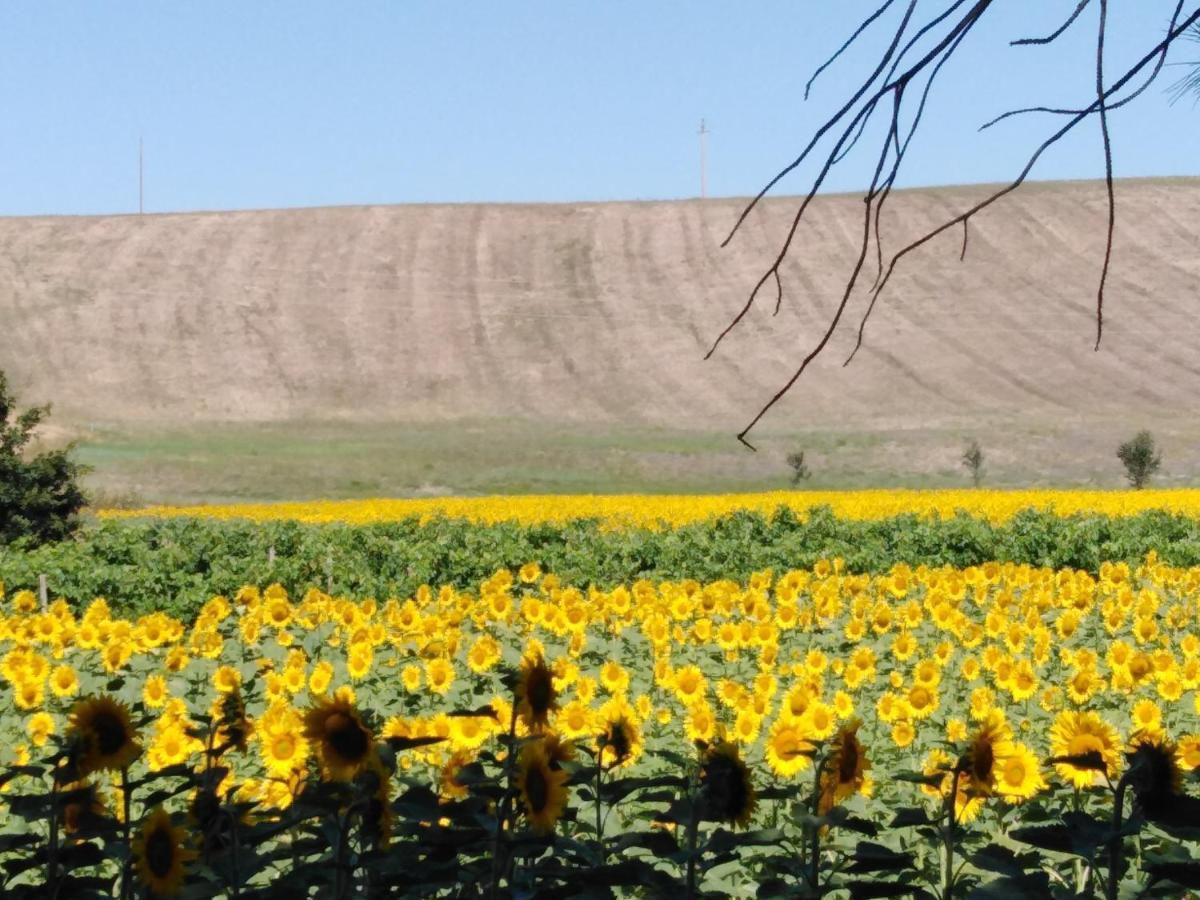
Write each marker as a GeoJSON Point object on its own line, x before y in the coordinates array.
{"type": "Point", "coordinates": [948, 838]}
{"type": "Point", "coordinates": [1115, 844]}
{"type": "Point", "coordinates": [125, 804]}
{"type": "Point", "coordinates": [599, 819]}
{"type": "Point", "coordinates": [505, 802]}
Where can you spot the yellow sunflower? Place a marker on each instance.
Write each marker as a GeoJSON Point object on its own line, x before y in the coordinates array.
{"type": "Point", "coordinates": [541, 787]}
{"type": "Point", "coordinates": [1019, 776]}
{"type": "Point", "coordinates": [787, 750]}
{"type": "Point", "coordinates": [1079, 733]}
{"type": "Point", "coordinates": [160, 854]}
{"type": "Point", "coordinates": [343, 742]}
{"type": "Point", "coordinates": [107, 739]}
{"type": "Point", "coordinates": [979, 765]}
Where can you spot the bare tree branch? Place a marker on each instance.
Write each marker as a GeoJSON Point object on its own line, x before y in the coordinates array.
{"type": "Point", "coordinates": [924, 69]}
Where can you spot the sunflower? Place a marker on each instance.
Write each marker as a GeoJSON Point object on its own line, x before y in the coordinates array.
{"type": "Point", "coordinates": [344, 743]}
{"type": "Point", "coordinates": [1018, 776]}
{"type": "Point", "coordinates": [1154, 773]}
{"type": "Point", "coordinates": [81, 805]}
{"type": "Point", "coordinates": [449, 787]}
{"type": "Point", "coordinates": [107, 739]}
{"type": "Point", "coordinates": [536, 697]}
{"type": "Point", "coordinates": [725, 785]}
{"type": "Point", "coordinates": [1077, 733]}
{"type": "Point", "coordinates": [620, 743]}
{"type": "Point", "coordinates": [541, 787]}
{"type": "Point", "coordinates": [787, 751]}
{"type": "Point", "coordinates": [232, 725]}
{"type": "Point", "coordinates": [845, 770]}
{"type": "Point", "coordinates": [986, 752]}
{"type": "Point", "coordinates": [160, 855]}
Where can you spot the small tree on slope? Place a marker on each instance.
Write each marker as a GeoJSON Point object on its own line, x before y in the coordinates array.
{"type": "Point", "coordinates": [1141, 459]}
{"type": "Point", "coordinates": [40, 496]}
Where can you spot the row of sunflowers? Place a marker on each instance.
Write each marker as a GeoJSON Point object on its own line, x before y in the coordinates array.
{"type": "Point", "coordinates": [668, 510]}
{"type": "Point", "coordinates": [929, 730]}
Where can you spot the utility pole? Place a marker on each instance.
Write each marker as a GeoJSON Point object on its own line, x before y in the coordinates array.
{"type": "Point", "coordinates": [703, 132]}
{"type": "Point", "coordinates": [141, 207]}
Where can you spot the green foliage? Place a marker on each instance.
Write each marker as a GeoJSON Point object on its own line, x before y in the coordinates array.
{"type": "Point", "coordinates": [1140, 458]}
{"type": "Point", "coordinates": [175, 565]}
{"type": "Point", "coordinates": [40, 498]}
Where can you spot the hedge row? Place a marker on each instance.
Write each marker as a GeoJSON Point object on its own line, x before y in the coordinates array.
{"type": "Point", "coordinates": [176, 564]}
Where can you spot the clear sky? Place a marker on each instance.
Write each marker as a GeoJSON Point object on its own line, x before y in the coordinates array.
{"type": "Point", "coordinates": [271, 104]}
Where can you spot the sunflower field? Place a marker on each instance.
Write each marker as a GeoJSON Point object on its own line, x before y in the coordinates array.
{"type": "Point", "coordinates": [997, 730]}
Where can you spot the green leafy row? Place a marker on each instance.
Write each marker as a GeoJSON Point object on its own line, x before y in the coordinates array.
{"type": "Point", "coordinates": [174, 565]}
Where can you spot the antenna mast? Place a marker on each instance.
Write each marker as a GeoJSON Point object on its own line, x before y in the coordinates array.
{"type": "Point", "coordinates": [703, 132]}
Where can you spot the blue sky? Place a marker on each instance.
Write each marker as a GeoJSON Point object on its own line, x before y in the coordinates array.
{"type": "Point", "coordinates": [274, 104]}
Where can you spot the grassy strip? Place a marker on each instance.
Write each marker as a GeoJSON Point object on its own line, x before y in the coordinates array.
{"type": "Point", "coordinates": [174, 565]}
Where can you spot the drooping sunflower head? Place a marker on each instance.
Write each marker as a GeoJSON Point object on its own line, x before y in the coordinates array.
{"type": "Point", "coordinates": [160, 854]}
{"type": "Point", "coordinates": [542, 788]}
{"type": "Point", "coordinates": [345, 745]}
{"type": "Point", "coordinates": [845, 770]}
{"type": "Point", "coordinates": [104, 735]}
{"type": "Point", "coordinates": [536, 696]}
{"type": "Point", "coordinates": [726, 789]}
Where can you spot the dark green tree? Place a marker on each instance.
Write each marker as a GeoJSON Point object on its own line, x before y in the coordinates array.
{"type": "Point", "coordinates": [1141, 458]}
{"type": "Point", "coordinates": [799, 469]}
{"type": "Point", "coordinates": [40, 497]}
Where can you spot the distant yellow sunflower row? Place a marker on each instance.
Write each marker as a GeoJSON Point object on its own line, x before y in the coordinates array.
{"type": "Point", "coordinates": [658, 510]}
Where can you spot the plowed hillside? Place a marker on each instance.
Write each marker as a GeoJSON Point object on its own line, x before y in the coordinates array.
{"type": "Point", "coordinates": [600, 313]}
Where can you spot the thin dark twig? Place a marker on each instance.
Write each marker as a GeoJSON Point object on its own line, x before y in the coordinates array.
{"type": "Point", "coordinates": [862, 255]}
{"type": "Point", "coordinates": [902, 150]}
{"type": "Point", "coordinates": [778, 292]}
{"type": "Point", "coordinates": [1116, 104]}
{"type": "Point", "coordinates": [966, 234]}
{"type": "Point", "coordinates": [1051, 38]}
{"type": "Point", "coordinates": [887, 56]}
{"type": "Point", "coordinates": [1108, 170]}
{"type": "Point", "coordinates": [846, 46]}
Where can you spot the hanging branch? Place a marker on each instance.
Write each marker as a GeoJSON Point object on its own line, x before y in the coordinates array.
{"type": "Point", "coordinates": [900, 67]}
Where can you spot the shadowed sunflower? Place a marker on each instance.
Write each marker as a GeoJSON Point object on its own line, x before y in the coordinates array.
{"type": "Point", "coordinates": [160, 855]}
{"type": "Point", "coordinates": [536, 697]}
{"type": "Point", "coordinates": [845, 771]}
{"type": "Point", "coordinates": [1154, 774]}
{"type": "Point", "coordinates": [725, 785]}
{"type": "Point", "coordinates": [541, 787]}
{"type": "Point", "coordinates": [621, 741]}
{"type": "Point", "coordinates": [81, 806]}
{"type": "Point", "coordinates": [344, 743]}
{"type": "Point", "coordinates": [232, 725]}
{"type": "Point", "coordinates": [106, 738]}
{"type": "Point", "coordinates": [449, 787]}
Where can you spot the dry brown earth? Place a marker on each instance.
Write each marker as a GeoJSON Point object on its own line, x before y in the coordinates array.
{"type": "Point", "coordinates": [598, 315]}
